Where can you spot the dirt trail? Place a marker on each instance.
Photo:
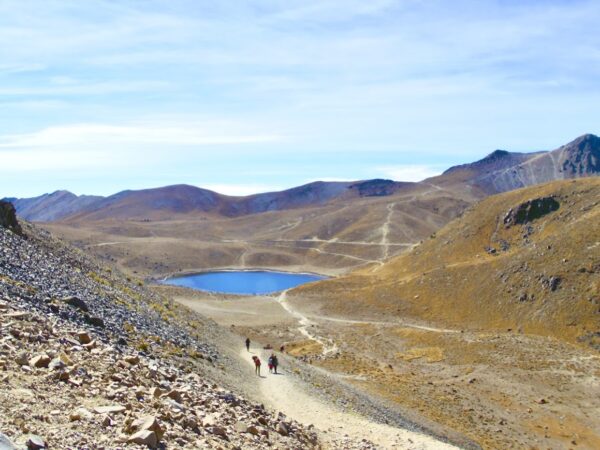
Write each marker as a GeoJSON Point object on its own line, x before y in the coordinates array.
{"type": "Point", "coordinates": [104, 244]}
{"type": "Point", "coordinates": [287, 393]}
{"type": "Point", "coordinates": [385, 231]}
{"type": "Point", "coordinates": [392, 323]}
{"type": "Point", "coordinates": [305, 324]}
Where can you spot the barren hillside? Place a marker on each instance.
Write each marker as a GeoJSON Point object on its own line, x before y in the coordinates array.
{"type": "Point", "coordinates": [487, 269]}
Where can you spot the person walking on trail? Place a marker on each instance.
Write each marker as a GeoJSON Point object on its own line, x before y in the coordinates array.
{"type": "Point", "coordinates": [256, 365]}
{"type": "Point", "coordinates": [247, 344]}
{"type": "Point", "coordinates": [275, 362]}
{"type": "Point", "coordinates": [271, 363]}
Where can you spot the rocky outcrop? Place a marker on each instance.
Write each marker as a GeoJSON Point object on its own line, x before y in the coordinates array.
{"type": "Point", "coordinates": [377, 187]}
{"type": "Point", "coordinates": [138, 380]}
{"type": "Point", "coordinates": [110, 397]}
{"type": "Point", "coordinates": [8, 217]}
{"type": "Point", "coordinates": [530, 210]}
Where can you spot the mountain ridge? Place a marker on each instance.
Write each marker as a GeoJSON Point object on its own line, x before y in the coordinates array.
{"type": "Point", "coordinates": [499, 171]}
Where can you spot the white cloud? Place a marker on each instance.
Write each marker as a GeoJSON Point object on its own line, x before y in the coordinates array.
{"type": "Point", "coordinates": [241, 189]}
{"type": "Point", "coordinates": [101, 135]}
{"type": "Point", "coordinates": [32, 160]}
{"type": "Point", "coordinates": [64, 86]}
{"type": "Point", "coordinates": [409, 172]}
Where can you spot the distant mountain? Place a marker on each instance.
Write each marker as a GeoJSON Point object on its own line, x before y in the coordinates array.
{"type": "Point", "coordinates": [51, 207]}
{"type": "Point", "coordinates": [503, 171]}
{"type": "Point", "coordinates": [500, 171]}
{"type": "Point", "coordinates": [160, 203]}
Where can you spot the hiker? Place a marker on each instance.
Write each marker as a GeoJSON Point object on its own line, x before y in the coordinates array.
{"type": "Point", "coordinates": [275, 361]}
{"type": "Point", "coordinates": [247, 344]}
{"type": "Point", "coordinates": [270, 363]}
{"type": "Point", "coordinates": [282, 348]}
{"type": "Point", "coordinates": [256, 365]}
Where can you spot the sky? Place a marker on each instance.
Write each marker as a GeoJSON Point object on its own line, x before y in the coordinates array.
{"type": "Point", "coordinates": [251, 96]}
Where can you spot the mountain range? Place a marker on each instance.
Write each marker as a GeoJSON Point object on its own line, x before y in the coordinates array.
{"type": "Point", "coordinates": [500, 171]}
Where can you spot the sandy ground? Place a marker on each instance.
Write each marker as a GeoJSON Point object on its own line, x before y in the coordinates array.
{"type": "Point", "coordinates": [502, 390]}
{"type": "Point", "coordinates": [286, 393]}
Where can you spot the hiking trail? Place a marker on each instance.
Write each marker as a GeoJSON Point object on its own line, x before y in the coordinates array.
{"type": "Point", "coordinates": [287, 393]}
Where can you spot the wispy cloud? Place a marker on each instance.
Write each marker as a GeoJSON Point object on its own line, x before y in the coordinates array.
{"type": "Point", "coordinates": [409, 172]}
{"type": "Point", "coordinates": [241, 189]}
{"type": "Point", "coordinates": [294, 81]}
{"type": "Point", "coordinates": [101, 135]}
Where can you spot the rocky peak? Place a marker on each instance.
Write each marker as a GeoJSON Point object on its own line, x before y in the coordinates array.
{"type": "Point", "coordinates": [495, 155]}
{"type": "Point", "coordinates": [582, 156]}
{"type": "Point", "coordinates": [8, 217]}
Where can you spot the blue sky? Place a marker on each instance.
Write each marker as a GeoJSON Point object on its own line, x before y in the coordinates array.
{"type": "Point", "coordinates": [247, 96]}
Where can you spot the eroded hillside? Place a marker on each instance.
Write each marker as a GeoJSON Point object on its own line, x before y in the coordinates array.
{"type": "Point", "coordinates": [489, 327]}
{"type": "Point", "coordinates": [486, 270]}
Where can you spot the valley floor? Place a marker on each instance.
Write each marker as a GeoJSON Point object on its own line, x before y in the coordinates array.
{"type": "Point", "coordinates": [499, 390]}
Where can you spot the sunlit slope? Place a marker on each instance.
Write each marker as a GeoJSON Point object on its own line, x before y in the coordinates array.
{"type": "Point", "coordinates": [541, 276]}
{"type": "Point", "coordinates": [328, 238]}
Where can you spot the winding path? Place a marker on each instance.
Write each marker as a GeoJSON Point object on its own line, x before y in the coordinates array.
{"type": "Point", "coordinates": [287, 393]}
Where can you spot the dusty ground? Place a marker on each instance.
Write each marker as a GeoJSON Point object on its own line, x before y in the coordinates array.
{"type": "Point", "coordinates": [329, 239]}
{"type": "Point", "coordinates": [502, 390]}
{"type": "Point", "coordinates": [507, 388]}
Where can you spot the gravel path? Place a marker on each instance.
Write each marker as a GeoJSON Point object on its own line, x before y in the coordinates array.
{"type": "Point", "coordinates": [338, 428]}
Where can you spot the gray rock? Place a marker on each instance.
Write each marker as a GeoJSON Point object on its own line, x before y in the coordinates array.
{"type": "Point", "coordinates": [8, 217]}
{"type": "Point", "coordinates": [144, 437]}
{"type": "Point", "coordinates": [282, 429]}
{"type": "Point", "coordinates": [35, 442]}
{"type": "Point", "coordinates": [40, 361]}
{"type": "Point", "coordinates": [76, 302]}
{"type": "Point", "coordinates": [6, 443]}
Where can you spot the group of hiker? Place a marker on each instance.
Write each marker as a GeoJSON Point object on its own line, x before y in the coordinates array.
{"type": "Point", "coordinates": [273, 362]}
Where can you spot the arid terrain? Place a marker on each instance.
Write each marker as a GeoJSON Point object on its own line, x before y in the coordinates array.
{"type": "Point", "coordinates": [468, 329]}
{"type": "Point", "coordinates": [470, 317]}
{"type": "Point", "coordinates": [90, 358]}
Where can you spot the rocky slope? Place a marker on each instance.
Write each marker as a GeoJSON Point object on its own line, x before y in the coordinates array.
{"type": "Point", "coordinates": [89, 359]}
{"type": "Point", "coordinates": [503, 171]}
{"type": "Point", "coordinates": [53, 206]}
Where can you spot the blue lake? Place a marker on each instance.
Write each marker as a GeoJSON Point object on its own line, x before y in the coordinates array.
{"type": "Point", "coordinates": [244, 282]}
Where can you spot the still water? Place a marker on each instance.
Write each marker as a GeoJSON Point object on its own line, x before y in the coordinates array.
{"type": "Point", "coordinates": [244, 282]}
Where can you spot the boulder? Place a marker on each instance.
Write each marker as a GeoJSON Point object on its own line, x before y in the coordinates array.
{"type": "Point", "coordinates": [94, 321]}
{"type": "Point", "coordinates": [144, 437]}
{"type": "Point", "coordinates": [282, 429]}
{"type": "Point", "coordinates": [156, 392]}
{"type": "Point", "coordinates": [132, 359]}
{"type": "Point", "coordinates": [112, 409]}
{"type": "Point", "coordinates": [56, 364]}
{"type": "Point", "coordinates": [75, 302]}
{"type": "Point", "coordinates": [22, 359]}
{"type": "Point", "coordinates": [84, 337]}
{"type": "Point", "coordinates": [80, 414]}
{"type": "Point", "coordinates": [35, 442]}
{"type": "Point", "coordinates": [530, 210]}
{"type": "Point", "coordinates": [175, 395]}
{"type": "Point", "coordinates": [252, 430]}
{"type": "Point", "coordinates": [6, 443]}
{"type": "Point", "coordinates": [149, 423]}
{"type": "Point", "coordinates": [8, 218]}
{"type": "Point", "coordinates": [40, 361]}
{"type": "Point", "coordinates": [219, 431]}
